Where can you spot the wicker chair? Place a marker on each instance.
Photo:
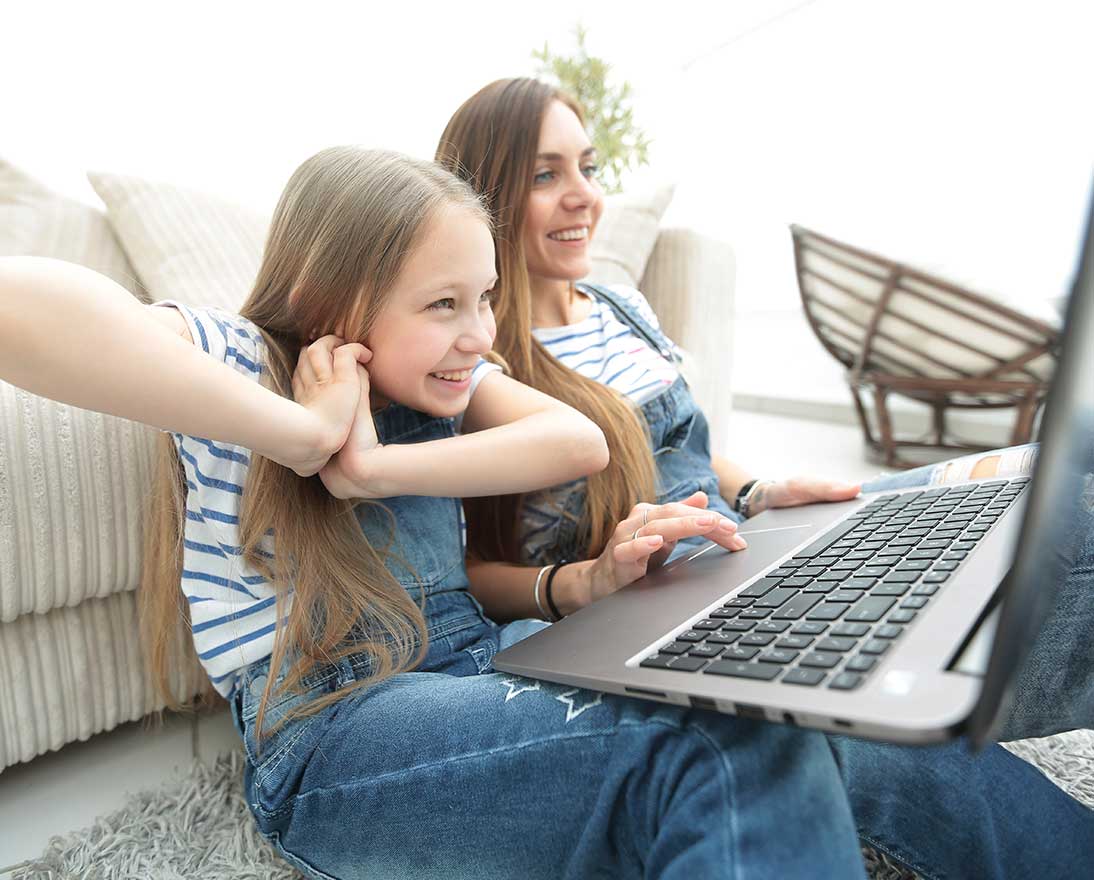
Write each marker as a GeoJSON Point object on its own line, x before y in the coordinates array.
{"type": "Point", "coordinates": [902, 331]}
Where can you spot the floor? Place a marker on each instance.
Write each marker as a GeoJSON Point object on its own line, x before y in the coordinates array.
{"type": "Point", "coordinates": [66, 790]}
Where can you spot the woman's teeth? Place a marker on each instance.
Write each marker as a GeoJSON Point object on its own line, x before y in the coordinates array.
{"type": "Point", "coordinates": [453, 377]}
{"type": "Point", "coordinates": [570, 234]}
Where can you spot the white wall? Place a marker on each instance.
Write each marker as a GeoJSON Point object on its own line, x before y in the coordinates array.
{"type": "Point", "coordinates": [952, 134]}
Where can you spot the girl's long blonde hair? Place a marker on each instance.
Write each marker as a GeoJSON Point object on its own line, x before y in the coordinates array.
{"type": "Point", "coordinates": [491, 142]}
{"type": "Point", "coordinates": [339, 238]}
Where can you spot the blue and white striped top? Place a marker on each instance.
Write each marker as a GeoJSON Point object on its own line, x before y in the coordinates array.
{"type": "Point", "coordinates": [607, 350]}
{"type": "Point", "coordinates": [232, 606]}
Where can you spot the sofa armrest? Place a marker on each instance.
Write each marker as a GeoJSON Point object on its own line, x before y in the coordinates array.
{"type": "Point", "coordinates": [689, 282]}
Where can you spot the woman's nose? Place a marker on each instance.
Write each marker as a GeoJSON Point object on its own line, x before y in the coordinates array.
{"type": "Point", "coordinates": [579, 193]}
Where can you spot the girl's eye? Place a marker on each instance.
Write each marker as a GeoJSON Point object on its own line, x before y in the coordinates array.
{"type": "Point", "coordinates": [445, 303]}
{"type": "Point", "coordinates": [543, 177]}
{"type": "Point", "coordinates": [590, 170]}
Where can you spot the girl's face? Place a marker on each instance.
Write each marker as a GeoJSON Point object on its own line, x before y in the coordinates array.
{"type": "Point", "coordinates": [565, 201]}
{"type": "Point", "coordinates": [438, 318]}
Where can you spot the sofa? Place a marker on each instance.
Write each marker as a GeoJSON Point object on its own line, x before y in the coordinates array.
{"type": "Point", "coordinates": [72, 482]}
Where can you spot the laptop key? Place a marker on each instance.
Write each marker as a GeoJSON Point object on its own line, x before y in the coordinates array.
{"type": "Point", "coordinates": [875, 646]}
{"type": "Point", "coordinates": [870, 609]}
{"type": "Point", "coordinates": [705, 650]}
{"type": "Point", "coordinates": [872, 571]}
{"type": "Point", "coordinates": [809, 628]}
{"type": "Point", "coordinates": [887, 588]}
{"type": "Point", "coordinates": [861, 663]}
{"type": "Point", "coordinates": [850, 629]}
{"type": "Point", "coordinates": [691, 636]}
{"type": "Point", "coordinates": [945, 566]}
{"type": "Point", "coordinates": [845, 681]}
{"type": "Point", "coordinates": [903, 615]}
{"type": "Point", "coordinates": [707, 624]}
{"type": "Point", "coordinates": [775, 598]}
{"type": "Point", "coordinates": [772, 626]}
{"type": "Point", "coordinates": [725, 613]}
{"type": "Point", "coordinates": [888, 631]}
{"type": "Point", "coordinates": [914, 565]}
{"type": "Point", "coordinates": [761, 639]}
{"type": "Point", "coordinates": [858, 583]}
{"type": "Point", "coordinates": [843, 596]}
{"type": "Point", "coordinates": [821, 661]}
{"type": "Point", "coordinates": [936, 577]}
{"type": "Point", "coordinates": [738, 602]}
{"type": "Point", "coordinates": [762, 671]}
{"type": "Point", "coordinates": [903, 577]}
{"type": "Point", "coordinates": [721, 638]}
{"type": "Point", "coordinates": [756, 613]}
{"type": "Point", "coordinates": [914, 602]}
{"type": "Point", "coordinates": [794, 643]}
{"type": "Point", "coordinates": [736, 652]}
{"type": "Point", "coordinates": [794, 582]}
{"type": "Point", "coordinates": [925, 590]}
{"type": "Point", "coordinates": [826, 540]}
{"type": "Point", "coordinates": [762, 586]}
{"type": "Point", "coordinates": [657, 661]}
{"type": "Point", "coordinates": [778, 655]}
{"type": "Point", "coordinates": [797, 606]}
{"type": "Point", "coordinates": [835, 643]}
{"type": "Point", "coordinates": [739, 626]}
{"type": "Point", "coordinates": [827, 611]}
{"type": "Point", "coordinates": [676, 648]}
{"type": "Point", "coordinates": [807, 677]}
{"type": "Point", "coordinates": [688, 664]}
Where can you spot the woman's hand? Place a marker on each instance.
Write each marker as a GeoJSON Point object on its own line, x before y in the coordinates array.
{"type": "Point", "coordinates": [626, 558]}
{"type": "Point", "coordinates": [326, 383]}
{"type": "Point", "coordinates": [801, 490]}
{"type": "Point", "coordinates": [346, 474]}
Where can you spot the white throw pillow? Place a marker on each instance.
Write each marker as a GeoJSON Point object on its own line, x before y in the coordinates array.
{"type": "Point", "coordinates": [626, 235]}
{"type": "Point", "coordinates": [186, 245]}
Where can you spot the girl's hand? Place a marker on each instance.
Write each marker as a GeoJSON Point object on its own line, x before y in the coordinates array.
{"type": "Point", "coordinates": [346, 474]}
{"type": "Point", "coordinates": [326, 383]}
{"type": "Point", "coordinates": [801, 490]}
{"type": "Point", "coordinates": [626, 558]}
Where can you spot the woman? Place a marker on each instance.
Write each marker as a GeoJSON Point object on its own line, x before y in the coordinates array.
{"type": "Point", "coordinates": [523, 146]}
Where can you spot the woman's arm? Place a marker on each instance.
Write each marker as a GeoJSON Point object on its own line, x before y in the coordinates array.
{"type": "Point", "coordinates": [75, 336]}
{"type": "Point", "coordinates": [515, 439]}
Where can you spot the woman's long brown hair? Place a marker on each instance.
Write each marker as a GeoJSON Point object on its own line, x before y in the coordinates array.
{"type": "Point", "coordinates": [491, 142]}
{"type": "Point", "coordinates": [339, 238]}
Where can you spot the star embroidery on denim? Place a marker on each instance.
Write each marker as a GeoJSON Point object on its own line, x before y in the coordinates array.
{"type": "Point", "coordinates": [518, 686]}
{"type": "Point", "coordinates": [571, 697]}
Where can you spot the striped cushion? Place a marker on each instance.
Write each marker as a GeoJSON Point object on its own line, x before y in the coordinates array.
{"type": "Point", "coordinates": [626, 235]}
{"type": "Point", "coordinates": [71, 481]}
{"type": "Point", "coordinates": [186, 245]}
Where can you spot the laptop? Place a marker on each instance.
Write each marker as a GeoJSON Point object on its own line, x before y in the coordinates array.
{"type": "Point", "coordinates": [902, 616]}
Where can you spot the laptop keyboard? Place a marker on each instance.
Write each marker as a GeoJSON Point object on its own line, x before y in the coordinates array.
{"type": "Point", "coordinates": [827, 616]}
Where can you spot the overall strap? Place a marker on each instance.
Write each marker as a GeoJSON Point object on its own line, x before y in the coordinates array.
{"type": "Point", "coordinates": [629, 315]}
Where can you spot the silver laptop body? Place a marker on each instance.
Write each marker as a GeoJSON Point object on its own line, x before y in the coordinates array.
{"type": "Point", "coordinates": [946, 673]}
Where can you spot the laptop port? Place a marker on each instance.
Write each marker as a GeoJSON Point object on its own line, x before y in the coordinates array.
{"type": "Point", "coordinates": [703, 703]}
{"type": "Point", "coordinates": [788, 718]}
{"type": "Point", "coordinates": [642, 692]}
{"type": "Point", "coordinates": [839, 722]}
{"type": "Point", "coordinates": [747, 711]}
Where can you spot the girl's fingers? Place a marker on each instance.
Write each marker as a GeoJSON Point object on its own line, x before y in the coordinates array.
{"type": "Point", "coordinates": [347, 364]}
{"type": "Point", "coordinates": [715, 528]}
{"type": "Point", "coordinates": [320, 356]}
{"type": "Point", "coordinates": [304, 372]}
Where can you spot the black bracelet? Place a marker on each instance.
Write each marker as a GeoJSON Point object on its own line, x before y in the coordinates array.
{"type": "Point", "coordinates": [547, 591]}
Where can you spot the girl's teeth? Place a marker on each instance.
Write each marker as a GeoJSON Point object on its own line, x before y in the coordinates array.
{"type": "Point", "coordinates": [453, 377]}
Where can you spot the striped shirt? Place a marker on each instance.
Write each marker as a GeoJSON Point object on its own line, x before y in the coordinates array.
{"type": "Point", "coordinates": [603, 348]}
{"type": "Point", "coordinates": [232, 606]}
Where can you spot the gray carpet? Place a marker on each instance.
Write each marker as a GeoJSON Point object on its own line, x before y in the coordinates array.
{"type": "Point", "coordinates": [198, 828]}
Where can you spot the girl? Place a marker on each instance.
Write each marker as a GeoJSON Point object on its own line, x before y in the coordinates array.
{"type": "Point", "coordinates": [522, 144]}
{"type": "Point", "coordinates": [379, 743]}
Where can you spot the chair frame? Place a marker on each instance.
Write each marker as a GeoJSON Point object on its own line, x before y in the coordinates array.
{"type": "Point", "coordinates": [867, 377]}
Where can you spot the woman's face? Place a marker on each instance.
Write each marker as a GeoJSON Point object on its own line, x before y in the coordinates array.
{"type": "Point", "coordinates": [438, 318]}
{"type": "Point", "coordinates": [565, 200]}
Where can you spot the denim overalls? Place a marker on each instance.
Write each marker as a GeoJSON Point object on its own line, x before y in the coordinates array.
{"type": "Point", "coordinates": [454, 770]}
{"type": "Point", "coordinates": [679, 437]}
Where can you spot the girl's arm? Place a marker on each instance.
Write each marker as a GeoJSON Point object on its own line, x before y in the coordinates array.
{"type": "Point", "coordinates": [515, 439]}
{"type": "Point", "coordinates": [75, 336]}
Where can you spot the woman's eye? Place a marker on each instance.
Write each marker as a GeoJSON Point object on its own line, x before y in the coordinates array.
{"type": "Point", "coordinates": [445, 303]}
{"type": "Point", "coordinates": [590, 170]}
{"type": "Point", "coordinates": [543, 177]}
{"type": "Point", "coordinates": [489, 297]}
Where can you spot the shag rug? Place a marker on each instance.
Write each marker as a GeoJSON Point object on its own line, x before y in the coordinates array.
{"type": "Point", "coordinates": [198, 827]}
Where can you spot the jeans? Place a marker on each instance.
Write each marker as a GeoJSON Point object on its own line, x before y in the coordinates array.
{"type": "Point", "coordinates": [457, 771]}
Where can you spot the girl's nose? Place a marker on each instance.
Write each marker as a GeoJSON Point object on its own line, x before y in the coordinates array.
{"type": "Point", "coordinates": [477, 337]}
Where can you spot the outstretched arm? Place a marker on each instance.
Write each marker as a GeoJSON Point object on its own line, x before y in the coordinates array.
{"type": "Point", "coordinates": [515, 439]}
{"type": "Point", "coordinates": [75, 336]}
